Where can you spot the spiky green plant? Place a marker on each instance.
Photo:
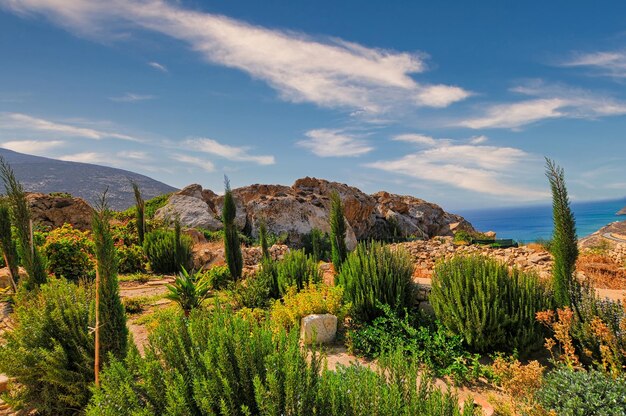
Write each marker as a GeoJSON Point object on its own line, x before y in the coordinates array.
{"type": "Point", "coordinates": [232, 246]}
{"type": "Point", "coordinates": [28, 251]}
{"type": "Point", "coordinates": [297, 269]}
{"type": "Point", "coordinates": [373, 275]}
{"type": "Point", "coordinates": [7, 243]}
{"type": "Point", "coordinates": [263, 240]}
{"type": "Point", "coordinates": [564, 240]}
{"type": "Point", "coordinates": [113, 330]}
{"type": "Point", "coordinates": [50, 351]}
{"type": "Point", "coordinates": [140, 208]}
{"type": "Point", "coordinates": [167, 250]}
{"type": "Point", "coordinates": [339, 251]}
{"type": "Point", "coordinates": [188, 290]}
{"type": "Point", "coordinates": [491, 307]}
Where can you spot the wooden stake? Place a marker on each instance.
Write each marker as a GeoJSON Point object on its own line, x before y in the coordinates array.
{"type": "Point", "coordinates": [97, 328]}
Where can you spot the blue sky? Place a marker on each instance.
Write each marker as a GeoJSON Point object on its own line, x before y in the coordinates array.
{"type": "Point", "coordinates": [452, 102]}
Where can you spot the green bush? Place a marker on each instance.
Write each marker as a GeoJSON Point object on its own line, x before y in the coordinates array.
{"type": "Point", "coordinates": [419, 337]}
{"type": "Point", "coordinates": [253, 292]}
{"type": "Point", "coordinates": [317, 245]}
{"type": "Point", "coordinates": [68, 252]}
{"type": "Point", "coordinates": [131, 259]}
{"type": "Point", "coordinates": [220, 363]}
{"type": "Point", "coordinates": [297, 269]}
{"type": "Point", "coordinates": [189, 290]}
{"type": "Point", "coordinates": [132, 305]}
{"type": "Point", "coordinates": [491, 307]}
{"type": "Point", "coordinates": [338, 227]}
{"type": "Point", "coordinates": [50, 351]}
{"type": "Point", "coordinates": [571, 392]}
{"type": "Point", "coordinates": [374, 275]}
{"type": "Point", "coordinates": [232, 245]}
{"type": "Point", "coordinates": [166, 254]}
{"type": "Point", "coordinates": [218, 277]}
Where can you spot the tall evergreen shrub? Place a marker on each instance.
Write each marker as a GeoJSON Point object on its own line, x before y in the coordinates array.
{"type": "Point", "coordinates": [491, 307]}
{"type": "Point", "coordinates": [263, 240]}
{"type": "Point", "coordinates": [374, 274]}
{"type": "Point", "coordinates": [113, 330]}
{"type": "Point", "coordinates": [337, 231]}
{"type": "Point", "coordinates": [28, 251]}
{"type": "Point", "coordinates": [7, 243]}
{"type": "Point", "coordinates": [140, 216]}
{"type": "Point", "coordinates": [232, 246]}
{"type": "Point", "coordinates": [167, 251]}
{"type": "Point", "coordinates": [564, 240]}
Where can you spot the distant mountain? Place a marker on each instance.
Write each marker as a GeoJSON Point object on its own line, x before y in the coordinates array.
{"type": "Point", "coordinates": [41, 174]}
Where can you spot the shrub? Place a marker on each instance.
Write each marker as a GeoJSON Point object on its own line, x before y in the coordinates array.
{"type": "Point", "coordinates": [212, 235]}
{"type": "Point", "coordinates": [218, 277]}
{"type": "Point", "coordinates": [220, 363]}
{"type": "Point", "coordinates": [312, 299]}
{"type": "Point", "coordinates": [252, 292]}
{"type": "Point", "coordinates": [7, 244]}
{"type": "Point", "coordinates": [166, 254]}
{"type": "Point", "coordinates": [463, 237]}
{"type": "Point", "coordinates": [140, 207]}
{"type": "Point", "coordinates": [317, 245]}
{"type": "Point", "coordinates": [131, 259]}
{"type": "Point", "coordinates": [188, 290]}
{"type": "Point", "coordinates": [132, 305]}
{"type": "Point", "coordinates": [490, 306]}
{"type": "Point", "coordinates": [68, 252]}
{"type": "Point", "coordinates": [339, 251]}
{"type": "Point", "coordinates": [570, 392]}
{"type": "Point", "coordinates": [152, 205]}
{"type": "Point", "coordinates": [419, 337]}
{"type": "Point", "coordinates": [232, 246]}
{"type": "Point", "coordinates": [263, 240]}
{"type": "Point", "coordinates": [113, 333]}
{"type": "Point", "coordinates": [27, 249]}
{"type": "Point", "coordinates": [297, 269]}
{"type": "Point", "coordinates": [564, 247]}
{"type": "Point", "coordinates": [60, 194]}
{"type": "Point", "coordinates": [50, 351]}
{"type": "Point", "coordinates": [374, 275]}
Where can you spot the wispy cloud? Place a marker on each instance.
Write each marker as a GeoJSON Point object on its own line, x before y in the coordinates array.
{"type": "Point", "coordinates": [416, 139]}
{"type": "Point", "coordinates": [134, 155]}
{"type": "Point", "coordinates": [328, 72]}
{"type": "Point", "coordinates": [26, 123]}
{"type": "Point", "coordinates": [334, 143]}
{"type": "Point", "coordinates": [547, 102]}
{"type": "Point", "coordinates": [477, 168]}
{"type": "Point", "coordinates": [605, 63]}
{"type": "Point", "coordinates": [206, 165]}
{"type": "Point", "coordinates": [158, 66]}
{"type": "Point", "coordinates": [87, 157]}
{"type": "Point", "coordinates": [236, 154]}
{"type": "Point", "coordinates": [32, 147]}
{"type": "Point", "coordinates": [131, 98]}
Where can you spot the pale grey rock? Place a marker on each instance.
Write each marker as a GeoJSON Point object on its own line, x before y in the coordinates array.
{"type": "Point", "coordinates": [319, 329]}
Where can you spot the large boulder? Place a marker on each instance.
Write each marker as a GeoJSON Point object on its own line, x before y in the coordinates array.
{"type": "Point", "coordinates": [296, 210]}
{"type": "Point", "coordinates": [55, 210]}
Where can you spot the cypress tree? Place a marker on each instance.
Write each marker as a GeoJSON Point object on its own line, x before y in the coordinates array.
{"type": "Point", "coordinates": [113, 331]}
{"type": "Point", "coordinates": [337, 231]}
{"type": "Point", "coordinates": [564, 240]}
{"type": "Point", "coordinates": [232, 247]}
{"type": "Point", "coordinates": [263, 239]}
{"type": "Point", "coordinates": [8, 245]}
{"type": "Point", "coordinates": [31, 258]}
{"type": "Point", "coordinates": [140, 212]}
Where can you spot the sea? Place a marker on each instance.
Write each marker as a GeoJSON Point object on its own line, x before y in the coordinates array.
{"type": "Point", "coordinates": [531, 223]}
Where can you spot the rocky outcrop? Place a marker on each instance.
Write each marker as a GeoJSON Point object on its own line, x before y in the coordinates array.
{"type": "Point", "coordinates": [621, 211]}
{"type": "Point", "coordinates": [305, 205]}
{"type": "Point", "coordinates": [54, 211]}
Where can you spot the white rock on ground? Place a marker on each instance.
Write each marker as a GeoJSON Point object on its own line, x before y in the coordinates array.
{"type": "Point", "coordinates": [320, 329]}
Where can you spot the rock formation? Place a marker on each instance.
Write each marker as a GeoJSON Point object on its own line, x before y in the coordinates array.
{"type": "Point", "coordinates": [296, 210]}
{"type": "Point", "coordinates": [621, 211]}
{"type": "Point", "coordinates": [54, 211]}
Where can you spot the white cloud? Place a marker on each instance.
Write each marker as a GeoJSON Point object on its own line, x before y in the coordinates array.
{"type": "Point", "coordinates": [131, 98]}
{"type": "Point", "coordinates": [194, 161]}
{"type": "Point", "coordinates": [334, 143]}
{"type": "Point", "coordinates": [607, 63]}
{"type": "Point", "coordinates": [416, 138]}
{"type": "Point", "coordinates": [488, 170]}
{"type": "Point", "coordinates": [23, 122]}
{"type": "Point", "coordinates": [158, 66]}
{"type": "Point", "coordinates": [236, 154]}
{"type": "Point", "coordinates": [547, 102]}
{"type": "Point", "coordinates": [133, 155]}
{"type": "Point", "coordinates": [87, 157]}
{"type": "Point", "coordinates": [328, 72]}
{"type": "Point", "coordinates": [32, 147]}
{"type": "Point", "coordinates": [478, 139]}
